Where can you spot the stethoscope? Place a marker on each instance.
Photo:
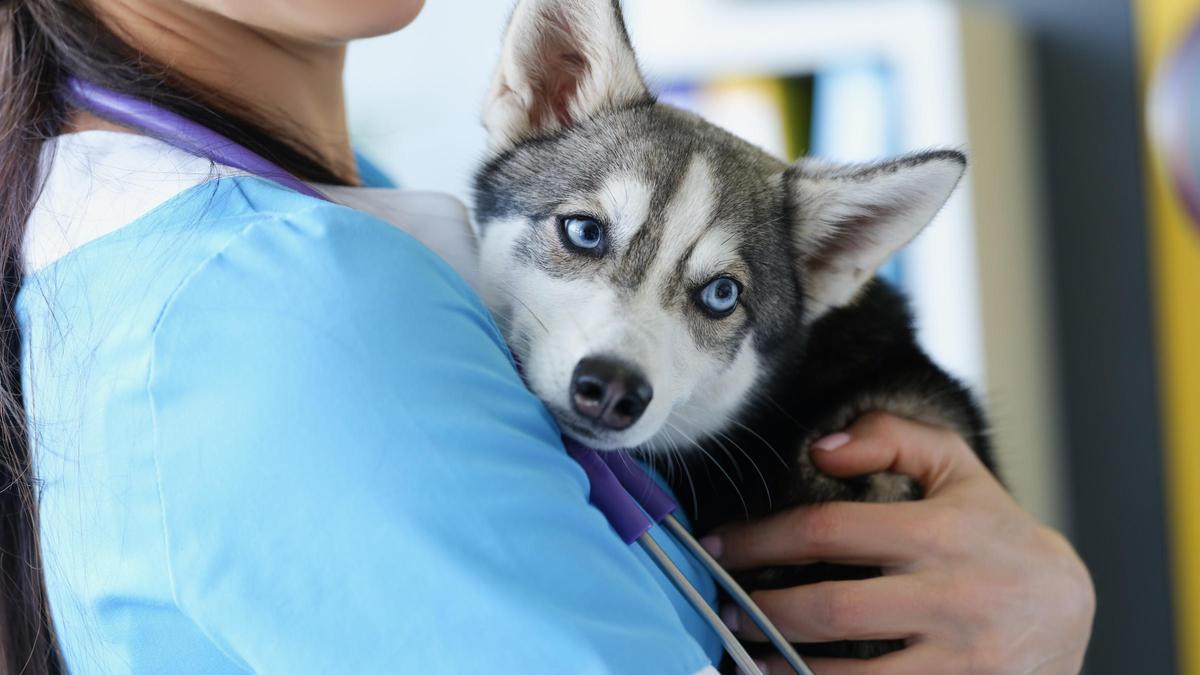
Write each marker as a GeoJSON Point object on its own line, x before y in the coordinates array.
{"type": "Point", "coordinates": [628, 497]}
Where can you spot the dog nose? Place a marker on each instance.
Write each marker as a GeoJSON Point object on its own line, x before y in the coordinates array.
{"type": "Point", "coordinates": [611, 393]}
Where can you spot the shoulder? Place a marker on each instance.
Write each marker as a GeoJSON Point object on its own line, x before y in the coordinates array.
{"type": "Point", "coordinates": [327, 392]}
{"type": "Point", "coordinates": [314, 280]}
{"type": "Point", "coordinates": [338, 430]}
{"type": "Point", "coordinates": [353, 412]}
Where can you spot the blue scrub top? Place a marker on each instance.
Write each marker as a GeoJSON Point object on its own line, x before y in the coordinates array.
{"type": "Point", "coordinates": [278, 435]}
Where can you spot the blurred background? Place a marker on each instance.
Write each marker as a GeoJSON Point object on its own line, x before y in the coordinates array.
{"type": "Point", "coordinates": [1062, 281]}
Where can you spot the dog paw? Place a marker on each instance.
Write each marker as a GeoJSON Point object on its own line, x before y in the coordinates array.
{"type": "Point", "coordinates": [814, 487]}
{"type": "Point", "coordinates": [892, 487]}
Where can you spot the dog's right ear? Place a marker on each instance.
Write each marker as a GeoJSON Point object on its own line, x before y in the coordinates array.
{"type": "Point", "coordinates": [562, 62]}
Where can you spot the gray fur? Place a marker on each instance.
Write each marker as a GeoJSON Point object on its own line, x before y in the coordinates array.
{"type": "Point", "coordinates": [813, 345]}
{"type": "Point", "coordinates": [656, 142]}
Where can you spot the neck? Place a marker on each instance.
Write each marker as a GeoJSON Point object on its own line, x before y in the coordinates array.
{"type": "Point", "coordinates": [283, 83]}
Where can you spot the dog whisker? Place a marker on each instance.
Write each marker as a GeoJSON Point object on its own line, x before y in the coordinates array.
{"type": "Point", "coordinates": [524, 306]}
{"type": "Point", "coordinates": [736, 488]}
{"type": "Point", "coordinates": [686, 471]}
{"type": "Point", "coordinates": [753, 463]}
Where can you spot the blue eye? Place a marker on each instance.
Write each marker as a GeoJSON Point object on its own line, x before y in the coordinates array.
{"type": "Point", "coordinates": [583, 233]}
{"type": "Point", "coordinates": [720, 297]}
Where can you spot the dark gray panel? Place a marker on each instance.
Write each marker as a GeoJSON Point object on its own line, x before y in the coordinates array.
{"type": "Point", "coordinates": [1085, 58]}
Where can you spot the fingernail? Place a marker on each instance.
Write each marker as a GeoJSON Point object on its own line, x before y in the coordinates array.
{"type": "Point", "coordinates": [831, 443]}
{"type": "Point", "coordinates": [713, 544]}
{"type": "Point", "coordinates": [731, 617]}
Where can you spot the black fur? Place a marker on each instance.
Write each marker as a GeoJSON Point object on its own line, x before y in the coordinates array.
{"type": "Point", "coordinates": [856, 359]}
{"type": "Point", "coordinates": [850, 361]}
{"type": "Point", "coordinates": [820, 377]}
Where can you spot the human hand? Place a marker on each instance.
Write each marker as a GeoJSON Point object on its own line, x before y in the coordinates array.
{"type": "Point", "coordinates": [970, 581]}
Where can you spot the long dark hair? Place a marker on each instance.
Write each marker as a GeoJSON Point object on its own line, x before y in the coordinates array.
{"type": "Point", "coordinates": [41, 43]}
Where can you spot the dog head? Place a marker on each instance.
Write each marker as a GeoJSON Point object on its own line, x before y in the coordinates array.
{"type": "Point", "coordinates": [645, 265]}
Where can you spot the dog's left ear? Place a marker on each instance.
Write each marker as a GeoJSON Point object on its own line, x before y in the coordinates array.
{"type": "Point", "coordinates": [851, 219]}
{"type": "Point", "coordinates": [562, 61]}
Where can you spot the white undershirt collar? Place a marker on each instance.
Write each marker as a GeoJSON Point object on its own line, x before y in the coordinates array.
{"type": "Point", "coordinates": [96, 182]}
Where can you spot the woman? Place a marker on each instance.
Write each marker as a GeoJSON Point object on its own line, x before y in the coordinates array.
{"type": "Point", "coordinates": [274, 434]}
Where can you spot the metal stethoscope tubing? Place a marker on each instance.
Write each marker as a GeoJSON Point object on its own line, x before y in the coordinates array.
{"type": "Point", "coordinates": [739, 654]}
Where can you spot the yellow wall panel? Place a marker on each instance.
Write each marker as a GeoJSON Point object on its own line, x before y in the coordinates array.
{"type": "Point", "coordinates": [1175, 247]}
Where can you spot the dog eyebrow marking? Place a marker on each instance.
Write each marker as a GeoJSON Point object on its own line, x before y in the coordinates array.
{"type": "Point", "coordinates": [716, 252]}
{"type": "Point", "coordinates": [625, 202]}
{"type": "Point", "coordinates": [686, 216]}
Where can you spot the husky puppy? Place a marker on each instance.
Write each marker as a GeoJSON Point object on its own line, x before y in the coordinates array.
{"type": "Point", "coordinates": [672, 289]}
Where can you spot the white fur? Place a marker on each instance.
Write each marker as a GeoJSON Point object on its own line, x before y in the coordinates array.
{"type": "Point", "coordinates": [556, 322]}
{"type": "Point", "coordinates": [562, 322]}
{"type": "Point", "coordinates": [559, 322]}
{"type": "Point", "coordinates": [712, 403]}
{"type": "Point", "coordinates": [495, 266]}
{"type": "Point", "coordinates": [566, 60]}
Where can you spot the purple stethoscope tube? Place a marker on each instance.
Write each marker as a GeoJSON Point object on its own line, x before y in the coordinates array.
{"type": "Point", "coordinates": [180, 132]}
{"type": "Point", "coordinates": [621, 489]}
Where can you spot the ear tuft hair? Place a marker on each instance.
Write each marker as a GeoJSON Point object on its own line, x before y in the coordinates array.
{"type": "Point", "coordinates": [852, 218]}
{"type": "Point", "coordinates": [562, 61]}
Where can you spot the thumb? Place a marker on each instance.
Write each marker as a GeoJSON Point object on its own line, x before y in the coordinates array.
{"type": "Point", "coordinates": [879, 442]}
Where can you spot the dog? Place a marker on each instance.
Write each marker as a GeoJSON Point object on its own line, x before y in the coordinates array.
{"type": "Point", "coordinates": [672, 289]}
